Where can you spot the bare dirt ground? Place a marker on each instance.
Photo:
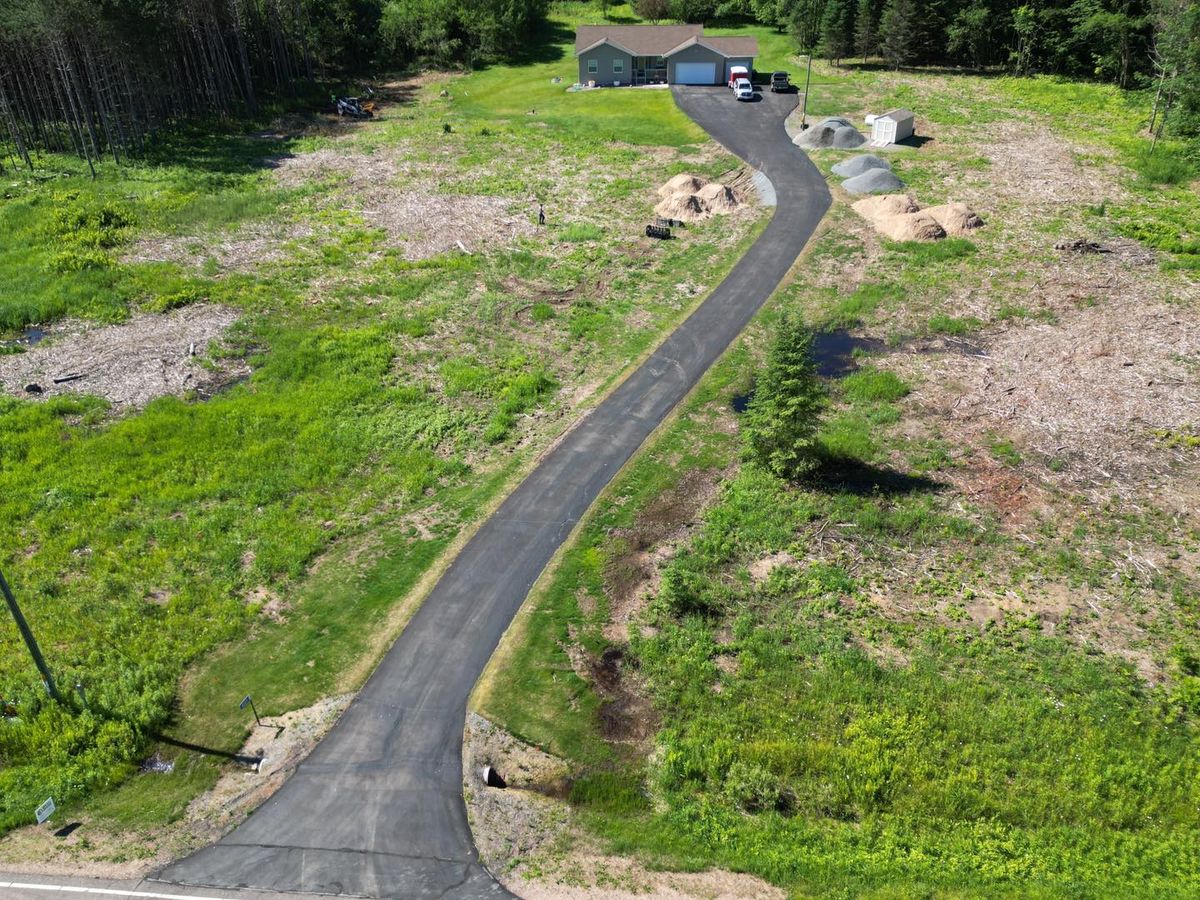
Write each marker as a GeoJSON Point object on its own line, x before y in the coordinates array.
{"type": "Point", "coordinates": [261, 242]}
{"type": "Point", "coordinates": [129, 364]}
{"type": "Point", "coordinates": [99, 848]}
{"type": "Point", "coordinates": [525, 835]}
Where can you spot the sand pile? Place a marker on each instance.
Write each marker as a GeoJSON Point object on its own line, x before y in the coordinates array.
{"type": "Point", "coordinates": [690, 198]}
{"type": "Point", "coordinates": [914, 226]}
{"type": "Point", "coordinates": [720, 199]}
{"type": "Point", "coordinates": [955, 218]}
{"type": "Point", "coordinates": [833, 132]}
{"type": "Point", "coordinates": [887, 205]}
{"type": "Point", "coordinates": [683, 183]}
{"type": "Point", "coordinates": [684, 207]}
{"type": "Point", "coordinates": [856, 165]}
{"type": "Point", "coordinates": [900, 218]}
{"type": "Point", "coordinates": [873, 181]}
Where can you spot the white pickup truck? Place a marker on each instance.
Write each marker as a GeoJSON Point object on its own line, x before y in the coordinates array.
{"type": "Point", "coordinates": [743, 90]}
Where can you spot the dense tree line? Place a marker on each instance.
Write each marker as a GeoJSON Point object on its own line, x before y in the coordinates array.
{"type": "Point", "coordinates": [97, 76]}
{"type": "Point", "coordinates": [1131, 43]}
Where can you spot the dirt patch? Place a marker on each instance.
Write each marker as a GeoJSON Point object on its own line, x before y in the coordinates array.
{"type": "Point", "coordinates": [956, 218]}
{"type": "Point", "coordinates": [689, 198]}
{"type": "Point", "coordinates": [1095, 391]}
{"type": "Point", "coordinates": [514, 822]}
{"type": "Point", "coordinates": [900, 218]}
{"type": "Point", "coordinates": [683, 183]}
{"type": "Point", "coordinates": [414, 217]}
{"type": "Point", "coordinates": [98, 850]}
{"type": "Point", "coordinates": [631, 577]}
{"type": "Point", "coordinates": [527, 840]}
{"type": "Point", "coordinates": [130, 364]}
{"type": "Point", "coordinates": [595, 876]}
{"type": "Point", "coordinates": [243, 249]}
{"type": "Point", "coordinates": [761, 569]}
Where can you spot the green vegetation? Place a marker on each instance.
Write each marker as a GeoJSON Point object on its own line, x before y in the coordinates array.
{"type": "Point", "coordinates": [173, 558]}
{"type": "Point", "coordinates": [781, 422]}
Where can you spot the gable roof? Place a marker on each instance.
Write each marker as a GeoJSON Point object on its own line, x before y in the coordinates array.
{"type": "Point", "coordinates": [638, 40]}
{"type": "Point", "coordinates": [659, 40]}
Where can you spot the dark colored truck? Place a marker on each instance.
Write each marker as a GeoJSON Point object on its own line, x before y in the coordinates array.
{"type": "Point", "coordinates": [780, 83]}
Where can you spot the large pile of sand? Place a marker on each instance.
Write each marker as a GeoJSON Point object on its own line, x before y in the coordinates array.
{"type": "Point", "coordinates": [914, 226]}
{"type": "Point", "coordinates": [856, 165]}
{"type": "Point", "coordinates": [690, 198]}
{"type": "Point", "coordinates": [887, 205]}
{"type": "Point", "coordinates": [720, 199]}
{"type": "Point", "coordinates": [955, 218]}
{"type": "Point", "coordinates": [684, 207]}
{"type": "Point", "coordinates": [836, 133]}
{"type": "Point", "coordinates": [898, 217]}
{"type": "Point", "coordinates": [873, 181]}
{"type": "Point", "coordinates": [683, 183]}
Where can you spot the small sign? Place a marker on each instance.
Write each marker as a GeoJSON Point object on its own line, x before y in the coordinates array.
{"type": "Point", "coordinates": [46, 810]}
{"type": "Point", "coordinates": [245, 702]}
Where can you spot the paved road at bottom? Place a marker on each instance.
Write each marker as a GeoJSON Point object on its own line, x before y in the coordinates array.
{"type": "Point", "coordinates": [377, 809]}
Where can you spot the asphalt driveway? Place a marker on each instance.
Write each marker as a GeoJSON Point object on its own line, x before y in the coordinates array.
{"type": "Point", "coordinates": [377, 809]}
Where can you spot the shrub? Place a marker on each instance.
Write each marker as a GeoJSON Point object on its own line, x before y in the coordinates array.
{"type": "Point", "coordinates": [1163, 167]}
{"type": "Point", "coordinates": [781, 422]}
{"type": "Point", "coordinates": [752, 787]}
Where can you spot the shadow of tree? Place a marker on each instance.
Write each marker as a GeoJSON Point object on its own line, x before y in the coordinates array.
{"type": "Point", "coordinates": [846, 475]}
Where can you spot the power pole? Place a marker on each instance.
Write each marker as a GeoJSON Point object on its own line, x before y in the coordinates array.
{"type": "Point", "coordinates": [807, 81]}
{"type": "Point", "coordinates": [30, 641]}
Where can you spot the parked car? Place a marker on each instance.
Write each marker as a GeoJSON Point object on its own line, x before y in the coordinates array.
{"type": "Point", "coordinates": [780, 83]}
{"type": "Point", "coordinates": [736, 73]}
{"type": "Point", "coordinates": [743, 90]}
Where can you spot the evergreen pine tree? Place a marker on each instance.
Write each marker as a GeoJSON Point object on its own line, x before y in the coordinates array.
{"type": "Point", "coordinates": [837, 30]}
{"type": "Point", "coordinates": [780, 431]}
{"type": "Point", "coordinates": [900, 32]}
{"type": "Point", "coordinates": [866, 28]}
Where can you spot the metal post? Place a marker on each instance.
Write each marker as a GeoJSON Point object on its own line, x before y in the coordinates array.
{"type": "Point", "coordinates": [30, 641]}
{"type": "Point", "coordinates": [807, 81]}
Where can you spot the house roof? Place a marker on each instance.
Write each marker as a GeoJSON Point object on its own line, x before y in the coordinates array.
{"type": "Point", "coordinates": [659, 40]}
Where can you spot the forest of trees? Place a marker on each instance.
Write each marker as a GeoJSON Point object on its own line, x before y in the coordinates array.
{"type": "Point", "coordinates": [95, 77]}
{"type": "Point", "coordinates": [1151, 44]}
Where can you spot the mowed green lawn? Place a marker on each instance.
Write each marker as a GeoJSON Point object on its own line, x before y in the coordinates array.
{"type": "Point", "coordinates": [389, 403]}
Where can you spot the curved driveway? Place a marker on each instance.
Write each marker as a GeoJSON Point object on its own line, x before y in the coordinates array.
{"type": "Point", "coordinates": [377, 809]}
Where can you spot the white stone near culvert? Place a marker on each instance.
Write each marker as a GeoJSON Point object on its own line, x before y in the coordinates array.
{"type": "Point", "coordinates": [891, 127]}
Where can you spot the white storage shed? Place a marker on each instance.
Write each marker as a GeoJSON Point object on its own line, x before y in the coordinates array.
{"type": "Point", "coordinates": [892, 127]}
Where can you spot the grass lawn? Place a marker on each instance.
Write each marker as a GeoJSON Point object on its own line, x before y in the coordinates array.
{"type": "Point", "coordinates": [933, 670]}
{"type": "Point", "coordinates": [271, 539]}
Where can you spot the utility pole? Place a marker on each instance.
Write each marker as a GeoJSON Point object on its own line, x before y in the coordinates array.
{"type": "Point", "coordinates": [30, 641]}
{"type": "Point", "coordinates": [804, 109]}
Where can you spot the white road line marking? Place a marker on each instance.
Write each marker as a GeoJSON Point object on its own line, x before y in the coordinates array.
{"type": "Point", "coordinates": [109, 892]}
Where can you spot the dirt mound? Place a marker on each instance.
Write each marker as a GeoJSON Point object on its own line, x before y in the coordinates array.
{"type": "Point", "coordinates": [856, 165]}
{"type": "Point", "coordinates": [719, 198]}
{"type": "Point", "coordinates": [684, 207]}
{"type": "Point", "coordinates": [887, 205]}
{"type": "Point", "coordinates": [914, 226]}
{"type": "Point", "coordinates": [130, 364]}
{"type": "Point", "coordinates": [955, 218]}
{"type": "Point", "coordinates": [683, 183]}
{"type": "Point", "coordinates": [873, 181]}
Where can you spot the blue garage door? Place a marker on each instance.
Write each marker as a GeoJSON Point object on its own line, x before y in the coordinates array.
{"type": "Point", "coordinates": [696, 73]}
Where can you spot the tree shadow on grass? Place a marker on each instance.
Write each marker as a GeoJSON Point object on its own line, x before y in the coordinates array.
{"type": "Point", "coordinates": [846, 475]}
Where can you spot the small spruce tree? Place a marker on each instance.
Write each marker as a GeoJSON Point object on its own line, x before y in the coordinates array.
{"type": "Point", "coordinates": [900, 32]}
{"type": "Point", "coordinates": [780, 430]}
{"type": "Point", "coordinates": [837, 30]}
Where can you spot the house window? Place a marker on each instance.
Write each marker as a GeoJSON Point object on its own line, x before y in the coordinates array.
{"type": "Point", "coordinates": [618, 66]}
{"type": "Point", "coordinates": [593, 66]}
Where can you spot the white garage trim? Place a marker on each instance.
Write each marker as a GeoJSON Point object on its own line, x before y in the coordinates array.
{"type": "Point", "coordinates": [696, 73]}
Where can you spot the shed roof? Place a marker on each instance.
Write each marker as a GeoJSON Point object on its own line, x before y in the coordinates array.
{"type": "Point", "coordinates": [896, 115]}
{"type": "Point", "coordinates": [660, 40]}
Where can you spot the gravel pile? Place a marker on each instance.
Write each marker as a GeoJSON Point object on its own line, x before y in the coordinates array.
{"type": "Point", "coordinates": [856, 165]}
{"type": "Point", "coordinates": [835, 133]}
{"type": "Point", "coordinates": [873, 181]}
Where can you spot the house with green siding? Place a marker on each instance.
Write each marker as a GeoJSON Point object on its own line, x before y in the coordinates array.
{"type": "Point", "coordinates": [619, 55]}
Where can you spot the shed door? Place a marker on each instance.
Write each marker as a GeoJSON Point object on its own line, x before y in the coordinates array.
{"type": "Point", "coordinates": [696, 73]}
{"type": "Point", "coordinates": [883, 131]}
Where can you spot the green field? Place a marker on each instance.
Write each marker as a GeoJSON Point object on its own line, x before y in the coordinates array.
{"type": "Point", "coordinates": [389, 403]}
{"type": "Point", "coordinates": [881, 682]}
